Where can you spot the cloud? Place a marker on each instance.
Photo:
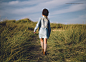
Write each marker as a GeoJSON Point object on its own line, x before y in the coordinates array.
{"type": "Point", "coordinates": [71, 8]}
{"type": "Point", "coordinates": [22, 3]}
{"type": "Point", "coordinates": [32, 8]}
{"type": "Point", "coordinates": [80, 19]}
{"type": "Point", "coordinates": [13, 2]}
{"type": "Point", "coordinates": [21, 7]}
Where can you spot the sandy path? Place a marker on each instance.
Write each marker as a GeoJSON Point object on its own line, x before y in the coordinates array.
{"type": "Point", "coordinates": [57, 30]}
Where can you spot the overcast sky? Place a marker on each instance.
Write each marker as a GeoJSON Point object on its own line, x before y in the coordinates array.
{"type": "Point", "coordinates": [60, 11]}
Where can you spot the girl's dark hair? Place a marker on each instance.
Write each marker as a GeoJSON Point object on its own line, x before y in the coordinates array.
{"type": "Point", "coordinates": [45, 12]}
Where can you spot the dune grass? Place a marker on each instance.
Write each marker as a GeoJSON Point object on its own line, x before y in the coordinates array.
{"type": "Point", "coordinates": [18, 43]}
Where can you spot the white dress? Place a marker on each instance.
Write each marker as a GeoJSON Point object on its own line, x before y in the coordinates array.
{"type": "Point", "coordinates": [44, 27]}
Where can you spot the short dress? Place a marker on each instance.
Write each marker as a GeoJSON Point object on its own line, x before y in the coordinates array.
{"type": "Point", "coordinates": [44, 27]}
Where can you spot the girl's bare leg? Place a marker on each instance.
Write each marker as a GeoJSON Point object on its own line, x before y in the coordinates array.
{"type": "Point", "coordinates": [45, 45]}
{"type": "Point", "coordinates": [42, 44]}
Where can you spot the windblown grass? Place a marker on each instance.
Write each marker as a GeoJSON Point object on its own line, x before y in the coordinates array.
{"type": "Point", "coordinates": [18, 43]}
{"type": "Point", "coordinates": [68, 45]}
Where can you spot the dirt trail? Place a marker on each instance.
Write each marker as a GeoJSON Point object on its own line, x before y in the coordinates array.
{"type": "Point", "coordinates": [36, 51]}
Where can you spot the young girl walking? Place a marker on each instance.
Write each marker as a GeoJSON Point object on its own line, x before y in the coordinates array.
{"type": "Point", "coordinates": [44, 29]}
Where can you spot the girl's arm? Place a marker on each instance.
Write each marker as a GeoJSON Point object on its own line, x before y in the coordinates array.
{"type": "Point", "coordinates": [37, 25]}
{"type": "Point", "coordinates": [49, 28]}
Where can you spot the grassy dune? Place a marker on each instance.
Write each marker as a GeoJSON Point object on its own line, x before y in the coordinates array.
{"type": "Point", "coordinates": [18, 43]}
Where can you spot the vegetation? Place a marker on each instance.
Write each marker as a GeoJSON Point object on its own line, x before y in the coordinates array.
{"type": "Point", "coordinates": [18, 43]}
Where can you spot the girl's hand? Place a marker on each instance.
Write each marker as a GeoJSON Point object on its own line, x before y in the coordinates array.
{"type": "Point", "coordinates": [34, 32]}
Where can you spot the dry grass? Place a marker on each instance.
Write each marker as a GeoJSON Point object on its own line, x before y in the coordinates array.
{"type": "Point", "coordinates": [18, 43]}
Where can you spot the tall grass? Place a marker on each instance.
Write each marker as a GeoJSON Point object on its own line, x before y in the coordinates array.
{"type": "Point", "coordinates": [18, 43]}
{"type": "Point", "coordinates": [15, 37]}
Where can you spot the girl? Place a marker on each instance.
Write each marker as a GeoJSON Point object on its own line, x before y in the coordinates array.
{"type": "Point", "coordinates": [44, 29]}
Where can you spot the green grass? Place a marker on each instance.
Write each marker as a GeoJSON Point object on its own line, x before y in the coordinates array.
{"type": "Point", "coordinates": [18, 43]}
{"type": "Point", "coordinates": [68, 45]}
